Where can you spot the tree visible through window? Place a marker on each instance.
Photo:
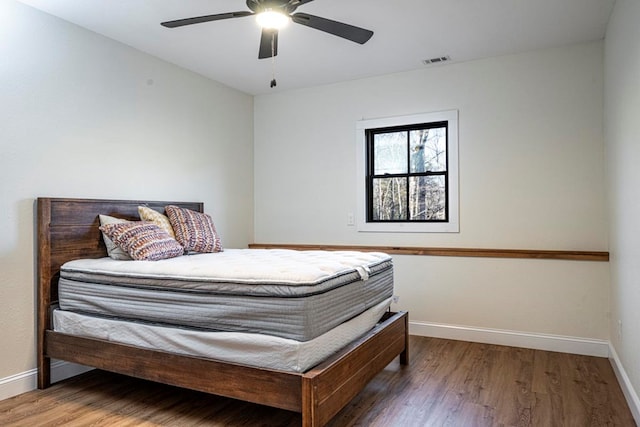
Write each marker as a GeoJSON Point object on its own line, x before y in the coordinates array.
{"type": "Point", "coordinates": [407, 173]}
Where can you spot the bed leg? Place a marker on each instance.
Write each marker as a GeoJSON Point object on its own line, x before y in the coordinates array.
{"type": "Point", "coordinates": [308, 403]}
{"type": "Point", "coordinates": [404, 356]}
{"type": "Point", "coordinates": [44, 372]}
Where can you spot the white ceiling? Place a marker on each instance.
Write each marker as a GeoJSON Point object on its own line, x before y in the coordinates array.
{"type": "Point", "coordinates": [406, 32]}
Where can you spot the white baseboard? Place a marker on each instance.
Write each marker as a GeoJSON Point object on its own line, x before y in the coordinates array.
{"type": "Point", "coordinates": [559, 343]}
{"type": "Point", "coordinates": [28, 381]}
{"type": "Point", "coordinates": [625, 384]}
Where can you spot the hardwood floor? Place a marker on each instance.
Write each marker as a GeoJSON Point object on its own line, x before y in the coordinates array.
{"type": "Point", "coordinates": [448, 383]}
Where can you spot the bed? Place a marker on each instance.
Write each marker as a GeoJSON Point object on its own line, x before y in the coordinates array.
{"type": "Point", "coordinates": [67, 229]}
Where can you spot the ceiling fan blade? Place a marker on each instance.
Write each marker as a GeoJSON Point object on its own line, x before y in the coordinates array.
{"type": "Point", "coordinates": [346, 31]}
{"type": "Point", "coordinates": [301, 2]}
{"type": "Point", "coordinates": [268, 35]}
{"type": "Point", "coordinates": [206, 18]}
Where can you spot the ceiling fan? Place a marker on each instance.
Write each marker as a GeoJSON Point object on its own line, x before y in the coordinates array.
{"type": "Point", "coordinates": [272, 15]}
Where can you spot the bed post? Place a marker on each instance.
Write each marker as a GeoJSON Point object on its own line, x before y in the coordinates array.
{"type": "Point", "coordinates": [309, 406]}
{"type": "Point", "coordinates": [43, 288]}
{"type": "Point", "coordinates": [404, 356]}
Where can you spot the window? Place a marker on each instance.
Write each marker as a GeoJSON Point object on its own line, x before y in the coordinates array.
{"type": "Point", "coordinates": [408, 173]}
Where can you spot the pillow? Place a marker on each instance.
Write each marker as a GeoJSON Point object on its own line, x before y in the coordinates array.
{"type": "Point", "coordinates": [113, 250]}
{"type": "Point", "coordinates": [148, 214]}
{"type": "Point", "coordinates": [143, 241]}
{"type": "Point", "coordinates": [194, 230]}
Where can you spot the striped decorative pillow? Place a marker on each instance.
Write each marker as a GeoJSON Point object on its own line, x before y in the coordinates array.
{"type": "Point", "coordinates": [144, 241]}
{"type": "Point", "coordinates": [194, 230]}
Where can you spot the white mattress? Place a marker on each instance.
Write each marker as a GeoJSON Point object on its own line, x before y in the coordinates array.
{"type": "Point", "coordinates": [264, 351]}
{"type": "Point", "coordinates": [297, 295]}
{"type": "Point", "coordinates": [269, 272]}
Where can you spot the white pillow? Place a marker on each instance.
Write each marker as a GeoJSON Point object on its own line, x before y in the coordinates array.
{"type": "Point", "coordinates": [113, 250]}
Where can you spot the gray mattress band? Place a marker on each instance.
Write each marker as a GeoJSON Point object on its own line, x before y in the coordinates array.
{"type": "Point", "coordinates": [301, 318]}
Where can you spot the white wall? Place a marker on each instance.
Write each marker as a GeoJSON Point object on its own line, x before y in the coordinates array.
{"type": "Point", "coordinates": [531, 177]}
{"type": "Point", "coordinates": [622, 130]}
{"type": "Point", "coordinates": [84, 116]}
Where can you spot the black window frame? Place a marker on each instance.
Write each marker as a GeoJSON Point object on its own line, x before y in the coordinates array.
{"type": "Point", "coordinates": [370, 168]}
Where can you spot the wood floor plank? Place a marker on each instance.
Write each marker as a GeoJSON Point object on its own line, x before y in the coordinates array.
{"type": "Point", "coordinates": [448, 383]}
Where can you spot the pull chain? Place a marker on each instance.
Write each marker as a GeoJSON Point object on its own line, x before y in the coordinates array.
{"type": "Point", "coordinates": [273, 60]}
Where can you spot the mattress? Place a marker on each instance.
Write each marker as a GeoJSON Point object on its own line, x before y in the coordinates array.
{"type": "Point", "coordinates": [291, 294]}
{"type": "Point", "coordinates": [263, 351]}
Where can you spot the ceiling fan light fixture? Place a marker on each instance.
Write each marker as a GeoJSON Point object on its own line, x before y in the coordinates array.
{"type": "Point", "coordinates": [272, 20]}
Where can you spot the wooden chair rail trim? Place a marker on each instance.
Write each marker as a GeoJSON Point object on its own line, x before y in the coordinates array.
{"type": "Point", "coordinates": [453, 252]}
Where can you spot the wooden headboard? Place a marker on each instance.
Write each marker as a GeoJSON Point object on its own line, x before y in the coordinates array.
{"type": "Point", "coordinates": [67, 229]}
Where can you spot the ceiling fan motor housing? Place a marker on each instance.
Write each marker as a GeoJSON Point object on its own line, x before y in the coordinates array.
{"type": "Point", "coordinates": [283, 6]}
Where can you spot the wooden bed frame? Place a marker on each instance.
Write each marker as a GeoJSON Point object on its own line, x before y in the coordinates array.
{"type": "Point", "coordinates": [68, 229]}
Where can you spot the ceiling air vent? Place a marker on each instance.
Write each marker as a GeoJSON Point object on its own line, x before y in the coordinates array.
{"type": "Point", "coordinates": [436, 60]}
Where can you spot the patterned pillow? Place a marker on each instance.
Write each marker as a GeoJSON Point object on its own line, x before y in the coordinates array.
{"type": "Point", "coordinates": [194, 230]}
{"type": "Point", "coordinates": [148, 214]}
{"type": "Point", "coordinates": [144, 241]}
{"type": "Point", "coordinates": [113, 250]}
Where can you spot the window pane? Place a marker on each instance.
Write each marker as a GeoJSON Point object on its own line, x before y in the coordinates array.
{"type": "Point", "coordinates": [389, 199]}
{"type": "Point", "coordinates": [389, 153]}
{"type": "Point", "coordinates": [428, 149]}
{"type": "Point", "coordinates": [427, 198]}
